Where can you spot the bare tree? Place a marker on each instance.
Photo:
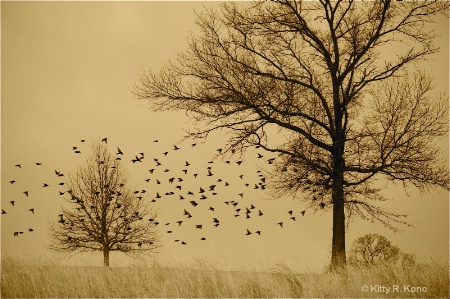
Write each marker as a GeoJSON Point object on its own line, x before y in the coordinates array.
{"type": "Point", "coordinates": [373, 249]}
{"type": "Point", "coordinates": [104, 215]}
{"type": "Point", "coordinates": [312, 71]}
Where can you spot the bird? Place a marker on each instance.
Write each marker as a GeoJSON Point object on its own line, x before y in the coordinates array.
{"type": "Point", "coordinates": [179, 222]}
{"type": "Point", "coordinates": [290, 212]}
{"type": "Point", "coordinates": [3, 211]}
{"type": "Point", "coordinates": [82, 140]}
{"type": "Point", "coordinates": [119, 152]}
{"type": "Point", "coordinates": [238, 162]}
{"type": "Point", "coordinates": [26, 193]}
{"type": "Point", "coordinates": [209, 173]}
{"type": "Point", "coordinates": [12, 182]}
{"type": "Point", "coordinates": [199, 226]}
{"type": "Point", "coordinates": [293, 218]}
{"type": "Point", "coordinates": [38, 163]}
{"type": "Point", "coordinates": [260, 213]}
{"type": "Point", "coordinates": [77, 152]}
{"type": "Point", "coordinates": [31, 230]}
{"type": "Point", "coordinates": [105, 140]}
{"type": "Point", "coordinates": [280, 224]}
{"type": "Point", "coordinates": [322, 205]}
{"type": "Point", "coordinates": [258, 232]}
{"type": "Point", "coordinates": [193, 203]}
{"type": "Point", "coordinates": [12, 202]}
{"type": "Point", "coordinates": [18, 165]}
{"type": "Point", "coordinates": [248, 233]}
{"type": "Point", "coordinates": [211, 209]}
{"type": "Point", "coordinates": [175, 148]}
{"type": "Point", "coordinates": [203, 239]}
{"type": "Point", "coordinates": [260, 156]}
{"type": "Point", "coordinates": [31, 210]}
{"type": "Point", "coordinates": [303, 213]}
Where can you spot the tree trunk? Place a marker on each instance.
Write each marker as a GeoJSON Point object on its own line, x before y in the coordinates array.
{"type": "Point", "coordinates": [106, 257]}
{"type": "Point", "coordinates": [338, 256]}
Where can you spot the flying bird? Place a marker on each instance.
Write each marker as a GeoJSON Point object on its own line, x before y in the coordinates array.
{"type": "Point", "coordinates": [12, 182]}
{"type": "Point", "coordinates": [105, 140]}
{"type": "Point", "coordinates": [26, 193]}
{"type": "Point", "coordinates": [31, 210]}
{"type": "Point", "coordinates": [3, 211]}
{"type": "Point", "coordinates": [18, 165]}
{"type": "Point", "coordinates": [280, 224]}
{"type": "Point", "coordinates": [248, 233]}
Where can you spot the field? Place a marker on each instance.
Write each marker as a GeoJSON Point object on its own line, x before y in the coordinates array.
{"type": "Point", "coordinates": [204, 281]}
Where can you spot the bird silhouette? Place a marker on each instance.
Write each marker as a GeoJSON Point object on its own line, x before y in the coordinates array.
{"type": "Point", "coordinates": [31, 210]}
{"type": "Point", "coordinates": [12, 182]}
{"type": "Point", "coordinates": [280, 224]}
{"type": "Point", "coordinates": [119, 152]}
{"type": "Point", "coordinates": [175, 148]}
{"type": "Point", "coordinates": [26, 193]}
{"type": "Point", "coordinates": [248, 233]}
{"type": "Point", "coordinates": [258, 232]}
{"type": "Point", "coordinates": [303, 213]}
{"type": "Point", "coordinates": [38, 163]}
{"type": "Point", "coordinates": [18, 165]}
{"type": "Point", "coordinates": [12, 202]}
{"type": "Point", "coordinates": [105, 140]}
{"type": "Point", "coordinates": [3, 211]}
{"type": "Point", "coordinates": [31, 230]}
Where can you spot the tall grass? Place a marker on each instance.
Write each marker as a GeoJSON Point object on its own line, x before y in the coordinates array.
{"type": "Point", "coordinates": [204, 281]}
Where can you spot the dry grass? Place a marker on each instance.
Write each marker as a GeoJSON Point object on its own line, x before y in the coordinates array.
{"type": "Point", "coordinates": [204, 281]}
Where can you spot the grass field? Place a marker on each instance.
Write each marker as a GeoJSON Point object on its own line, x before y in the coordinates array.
{"type": "Point", "coordinates": [204, 281]}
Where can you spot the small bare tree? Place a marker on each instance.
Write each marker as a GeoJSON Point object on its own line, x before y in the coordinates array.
{"type": "Point", "coordinates": [373, 249]}
{"type": "Point", "coordinates": [104, 215]}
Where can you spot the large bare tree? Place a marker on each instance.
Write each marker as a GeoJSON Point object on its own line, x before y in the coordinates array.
{"type": "Point", "coordinates": [104, 214]}
{"type": "Point", "coordinates": [319, 73]}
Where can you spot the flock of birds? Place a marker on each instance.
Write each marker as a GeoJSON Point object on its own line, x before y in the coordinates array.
{"type": "Point", "coordinates": [194, 187]}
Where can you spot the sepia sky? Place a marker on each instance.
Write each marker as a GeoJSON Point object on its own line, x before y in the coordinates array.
{"type": "Point", "coordinates": [67, 69]}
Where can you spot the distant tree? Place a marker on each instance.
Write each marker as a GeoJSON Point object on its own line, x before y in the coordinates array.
{"type": "Point", "coordinates": [104, 215]}
{"type": "Point", "coordinates": [373, 249]}
{"type": "Point", "coordinates": [317, 73]}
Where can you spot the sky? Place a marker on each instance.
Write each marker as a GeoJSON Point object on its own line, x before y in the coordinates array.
{"type": "Point", "coordinates": [67, 71]}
